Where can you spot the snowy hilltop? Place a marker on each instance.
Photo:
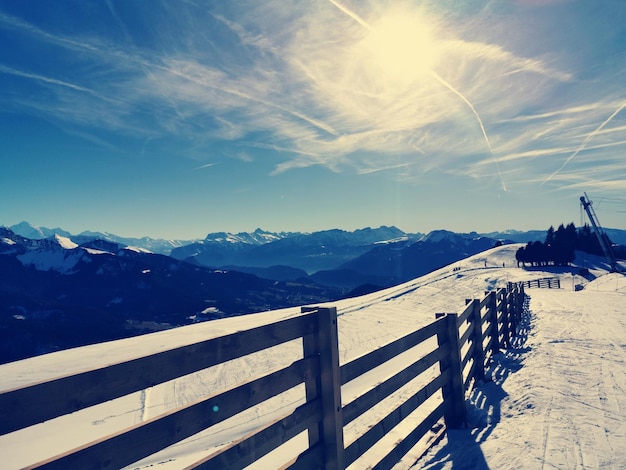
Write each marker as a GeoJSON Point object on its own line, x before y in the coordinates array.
{"type": "Point", "coordinates": [555, 398]}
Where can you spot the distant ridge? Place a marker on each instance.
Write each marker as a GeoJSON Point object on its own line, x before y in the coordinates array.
{"type": "Point", "coordinates": [97, 286]}
{"type": "Point", "coordinates": [154, 245]}
{"type": "Point", "coordinates": [310, 252]}
{"type": "Point", "coordinates": [56, 294]}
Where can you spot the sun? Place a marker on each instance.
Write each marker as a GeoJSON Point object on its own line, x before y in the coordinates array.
{"type": "Point", "coordinates": [402, 45]}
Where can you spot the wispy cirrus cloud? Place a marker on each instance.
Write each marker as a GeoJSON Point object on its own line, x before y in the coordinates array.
{"type": "Point", "coordinates": [297, 79]}
{"type": "Point", "coordinates": [46, 80]}
{"type": "Point", "coordinates": [586, 141]}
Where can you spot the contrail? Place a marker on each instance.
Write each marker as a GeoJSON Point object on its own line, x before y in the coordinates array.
{"type": "Point", "coordinates": [585, 142]}
{"type": "Point", "coordinates": [439, 79]}
{"type": "Point", "coordinates": [204, 166]}
{"type": "Point", "coordinates": [42, 78]}
{"type": "Point", "coordinates": [352, 15]}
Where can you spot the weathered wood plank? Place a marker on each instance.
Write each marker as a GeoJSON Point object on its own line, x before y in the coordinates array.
{"type": "Point", "coordinates": [469, 354]}
{"type": "Point", "coordinates": [453, 392]}
{"type": "Point", "coordinates": [478, 371]}
{"type": "Point", "coordinates": [331, 433]}
{"type": "Point", "coordinates": [467, 334]}
{"type": "Point", "coordinates": [259, 443]}
{"type": "Point", "coordinates": [411, 439]}
{"type": "Point", "coordinates": [310, 459]}
{"type": "Point", "coordinates": [169, 428]}
{"type": "Point", "coordinates": [380, 429]}
{"type": "Point", "coordinates": [487, 339]}
{"type": "Point", "coordinates": [365, 363]}
{"type": "Point", "coordinates": [484, 318]}
{"type": "Point", "coordinates": [505, 313]}
{"type": "Point", "coordinates": [492, 313]}
{"type": "Point", "coordinates": [382, 390]}
{"type": "Point", "coordinates": [312, 384]}
{"type": "Point", "coordinates": [24, 407]}
{"type": "Point", "coordinates": [471, 375]}
{"type": "Point", "coordinates": [467, 311]}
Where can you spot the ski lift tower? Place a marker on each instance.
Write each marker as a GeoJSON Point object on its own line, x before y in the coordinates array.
{"type": "Point", "coordinates": [605, 244]}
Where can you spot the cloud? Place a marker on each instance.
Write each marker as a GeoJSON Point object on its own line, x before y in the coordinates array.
{"type": "Point", "coordinates": [295, 79]}
{"type": "Point", "coordinates": [202, 167]}
{"type": "Point", "coordinates": [376, 169]}
{"type": "Point", "coordinates": [505, 61]}
{"type": "Point", "coordinates": [586, 142]}
{"type": "Point", "coordinates": [45, 80]}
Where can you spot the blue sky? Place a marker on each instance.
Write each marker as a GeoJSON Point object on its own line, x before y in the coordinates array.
{"type": "Point", "coordinates": [177, 118]}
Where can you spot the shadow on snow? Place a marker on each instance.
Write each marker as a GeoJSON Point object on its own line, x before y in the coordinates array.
{"type": "Point", "coordinates": [462, 448]}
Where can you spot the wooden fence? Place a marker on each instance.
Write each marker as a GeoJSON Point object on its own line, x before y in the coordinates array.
{"type": "Point", "coordinates": [465, 343]}
{"type": "Point", "coordinates": [545, 283]}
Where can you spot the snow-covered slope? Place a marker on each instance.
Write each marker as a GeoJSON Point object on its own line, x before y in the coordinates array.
{"type": "Point", "coordinates": [564, 383]}
{"type": "Point", "coordinates": [558, 399]}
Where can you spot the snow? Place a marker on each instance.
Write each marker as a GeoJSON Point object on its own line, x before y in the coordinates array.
{"type": "Point", "coordinates": [258, 237]}
{"type": "Point", "coordinates": [556, 399]}
{"type": "Point", "coordinates": [438, 235]}
{"type": "Point", "coordinates": [391, 241]}
{"type": "Point", "coordinates": [60, 260]}
{"type": "Point", "coordinates": [93, 251]}
{"type": "Point", "coordinates": [65, 242]}
{"type": "Point", "coordinates": [208, 310]}
{"type": "Point", "coordinates": [137, 249]}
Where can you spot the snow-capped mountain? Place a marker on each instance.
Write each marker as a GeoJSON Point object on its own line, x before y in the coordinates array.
{"type": "Point", "coordinates": [393, 263]}
{"type": "Point", "coordinates": [258, 237]}
{"type": "Point", "coordinates": [437, 236]}
{"type": "Point", "coordinates": [56, 294]}
{"type": "Point", "coordinates": [63, 291]}
{"type": "Point", "coordinates": [306, 251]}
{"type": "Point", "coordinates": [154, 245]}
{"type": "Point", "coordinates": [28, 230]}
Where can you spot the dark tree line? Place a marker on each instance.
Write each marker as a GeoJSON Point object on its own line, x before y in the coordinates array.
{"type": "Point", "coordinates": [559, 246]}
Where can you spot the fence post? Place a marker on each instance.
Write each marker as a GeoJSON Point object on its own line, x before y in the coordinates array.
{"type": "Point", "coordinates": [520, 305]}
{"type": "Point", "coordinates": [492, 314]}
{"type": "Point", "coordinates": [453, 394]}
{"type": "Point", "coordinates": [505, 314]}
{"type": "Point", "coordinates": [477, 340]}
{"type": "Point", "coordinates": [310, 346]}
{"type": "Point", "coordinates": [331, 426]}
{"type": "Point", "coordinates": [514, 307]}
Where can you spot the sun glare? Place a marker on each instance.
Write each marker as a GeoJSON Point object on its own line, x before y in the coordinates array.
{"type": "Point", "coordinates": [402, 45]}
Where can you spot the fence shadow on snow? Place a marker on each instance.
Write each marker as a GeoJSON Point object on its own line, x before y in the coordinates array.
{"type": "Point", "coordinates": [483, 407]}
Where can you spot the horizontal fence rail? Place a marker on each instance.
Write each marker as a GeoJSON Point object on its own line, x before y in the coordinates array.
{"type": "Point", "coordinates": [544, 283]}
{"type": "Point", "coordinates": [448, 357]}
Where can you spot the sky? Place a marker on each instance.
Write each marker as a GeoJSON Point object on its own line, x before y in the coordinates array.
{"type": "Point", "coordinates": [176, 119]}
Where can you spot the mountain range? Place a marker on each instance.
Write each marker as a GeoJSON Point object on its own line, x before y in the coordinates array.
{"type": "Point", "coordinates": [59, 290]}
{"type": "Point", "coordinates": [154, 245]}
{"type": "Point", "coordinates": [56, 294]}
